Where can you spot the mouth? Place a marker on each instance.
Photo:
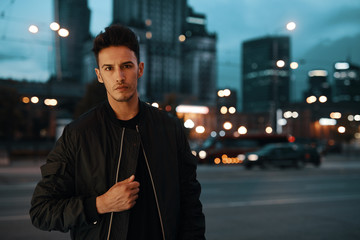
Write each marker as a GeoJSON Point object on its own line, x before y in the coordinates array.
{"type": "Point", "coordinates": [121, 88]}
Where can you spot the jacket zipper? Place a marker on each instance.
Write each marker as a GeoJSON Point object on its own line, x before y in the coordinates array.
{"type": "Point", "coordinates": [152, 183]}
{"type": "Point", "coordinates": [116, 178]}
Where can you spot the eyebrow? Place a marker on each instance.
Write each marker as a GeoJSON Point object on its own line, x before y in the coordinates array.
{"type": "Point", "coordinates": [110, 65]}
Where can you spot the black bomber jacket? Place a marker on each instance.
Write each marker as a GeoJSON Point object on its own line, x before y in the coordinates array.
{"type": "Point", "coordinates": [82, 166]}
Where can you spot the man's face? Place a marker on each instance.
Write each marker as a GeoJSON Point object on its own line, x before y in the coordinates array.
{"type": "Point", "coordinates": [119, 71]}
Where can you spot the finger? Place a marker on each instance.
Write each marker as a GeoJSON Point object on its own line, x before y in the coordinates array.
{"type": "Point", "coordinates": [128, 180]}
{"type": "Point", "coordinates": [131, 178]}
{"type": "Point", "coordinates": [134, 185]}
{"type": "Point", "coordinates": [135, 191]}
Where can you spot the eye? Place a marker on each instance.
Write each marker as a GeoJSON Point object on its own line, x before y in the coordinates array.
{"type": "Point", "coordinates": [108, 68]}
{"type": "Point", "coordinates": [127, 66]}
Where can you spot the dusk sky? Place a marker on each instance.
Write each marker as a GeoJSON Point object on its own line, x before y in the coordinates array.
{"type": "Point", "coordinates": [327, 31]}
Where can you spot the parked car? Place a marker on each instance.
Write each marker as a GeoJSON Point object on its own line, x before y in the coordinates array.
{"type": "Point", "coordinates": [232, 150]}
{"type": "Point", "coordinates": [279, 155]}
{"type": "Point", "coordinates": [309, 154]}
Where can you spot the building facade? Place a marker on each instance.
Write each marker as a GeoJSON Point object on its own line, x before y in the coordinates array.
{"type": "Point", "coordinates": [265, 73]}
{"type": "Point", "coordinates": [74, 15]}
{"type": "Point", "coordinates": [199, 60]}
{"type": "Point", "coordinates": [162, 26]}
{"type": "Point", "coordinates": [318, 85]}
{"type": "Point", "coordinates": [346, 82]}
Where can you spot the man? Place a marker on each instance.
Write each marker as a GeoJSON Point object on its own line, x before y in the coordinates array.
{"type": "Point", "coordinates": [124, 169]}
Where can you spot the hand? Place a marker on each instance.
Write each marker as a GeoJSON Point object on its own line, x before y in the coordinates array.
{"type": "Point", "coordinates": [120, 197]}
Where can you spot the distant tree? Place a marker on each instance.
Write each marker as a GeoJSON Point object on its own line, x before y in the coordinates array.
{"type": "Point", "coordinates": [95, 93]}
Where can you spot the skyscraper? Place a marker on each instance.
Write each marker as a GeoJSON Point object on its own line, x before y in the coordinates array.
{"type": "Point", "coordinates": [346, 82]}
{"type": "Point", "coordinates": [318, 84]}
{"type": "Point", "coordinates": [265, 74]}
{"type": "Point", "coordinates": [73, 15]}
{"type": "Point", "coordinates": [162, 27]}
{"type": "Point", "coordinates": [199, 60]}
{"type": "Point", "coordinates": [162, 20]}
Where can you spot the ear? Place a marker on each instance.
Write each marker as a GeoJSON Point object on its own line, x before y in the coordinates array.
{"type": "Point", "coordinates": [141, 69]}
{"type": "Point", "coordinates": [98, 74]}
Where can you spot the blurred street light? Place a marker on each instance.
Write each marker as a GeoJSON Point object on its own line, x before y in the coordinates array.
{"type": "Point", "coordinates": [33, 29]}
{"type": "Point", "coordinates": [25, 100]}
{"type": "Point", "coordinates": [200, 129]}
{"type": "Point", "coordinates": [327, 122]}
{"type": "Point", "coordinates": [311, 99]}
{"type": "Point", "coordinates": [63, 32]}
{"type": "Point", "coordinates": [50, 102]}
{"type": "Point", "coordinates": [291, 26]}
{"type": "Point", "coordinates": [227, 125]}
{"type": "Point", "coordinates": [323, 99]}
{"type": "Point", "coordinates": [227, 92]}
{"type": "Point", "coordinates": [335, 115]}
{"type": "Point", "coordinates": [189, 123]}
{"type": "Point", "coordinates": [287, 114]}
{"type": "Point", "coordinates": [242, 130]}
{"type": "Point", "coordinates": [232, 110]}
{"type": "Point", "coordinates": [182, 38]}
{"type": "Point", "coordinates": [280, 63]}
{"type": "Point", "coordinates": [294, 65]}
{"type": "Point", "coordinates": [341, 129]}
{"type": "Point", "coordinates": [148, 35]}
{"type": "Point", "coordinates": [223, 110]}
{"type": "Point", "coordinates": [54, 26]}
{"type": "Point", "coordinates": [34, 99]}
{"type": "Point", "coordinates": [268, 130]}
{"type": "Point", "coordinates": [282, 122]}
{"type": "Point", "coordinates": [220, 93]}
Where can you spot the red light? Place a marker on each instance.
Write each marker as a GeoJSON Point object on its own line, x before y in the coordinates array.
{"type": "Point", "coordinates": [291, 139]}
{"type": "Point", "coordinates": [168, 108]}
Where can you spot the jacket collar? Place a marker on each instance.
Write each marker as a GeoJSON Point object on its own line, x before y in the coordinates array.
{"type": "Point", "coordinates": [110, 114]}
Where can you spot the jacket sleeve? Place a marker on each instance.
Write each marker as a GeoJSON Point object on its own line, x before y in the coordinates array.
{"type": "Point", "coordinates": [54, 205]}
{"type": "Point", "coordinates": [192, 222]}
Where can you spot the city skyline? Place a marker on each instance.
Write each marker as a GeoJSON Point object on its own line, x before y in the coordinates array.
{"type": "Point", "coordinates": [319, 27]}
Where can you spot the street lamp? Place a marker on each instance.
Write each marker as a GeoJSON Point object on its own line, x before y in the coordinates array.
{"type": "Point", "coordinates": [294, 65]}
{"type": "Point", "coordinates": [62, 32]}
{"type": "Point", "coordinates": [277, 65]}
{"type": "Point", "coordinates": [33, 29]}
{"type": "Point", "coordinates": [322, 99]}
{"type": "Point", "coordinates": [227, 125]}
{"type": "Point", "coordinates": [291, 26]}
{"type": "Point", "coordinates": [242, 130]}
{"type": "Point", "coordinates": [280, 63]}
{"type": "Point", "coordinates": [341, 129]}
{"type": "Point", "coordinates": [54, 26]}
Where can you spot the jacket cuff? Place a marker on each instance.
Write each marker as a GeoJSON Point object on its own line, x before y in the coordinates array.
{"type": "Point", "coordinates": [91, 213]}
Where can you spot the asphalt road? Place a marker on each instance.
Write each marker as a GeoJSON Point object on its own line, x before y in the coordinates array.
{"type": "Point", "coordinates": [311, 203]}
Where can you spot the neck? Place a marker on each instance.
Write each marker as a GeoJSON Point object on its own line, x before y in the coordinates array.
{"type": "Point", "coordinates": [125, 110]}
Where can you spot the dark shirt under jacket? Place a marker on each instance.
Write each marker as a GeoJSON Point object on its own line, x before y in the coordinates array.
{"type": "Point", "coordinates": [144, 220]}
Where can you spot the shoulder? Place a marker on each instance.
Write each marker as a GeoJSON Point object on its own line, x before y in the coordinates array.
{"type": "Point", "coordinates": [88, 120]}
{"type": "Point", "coordinates": [157, 115]}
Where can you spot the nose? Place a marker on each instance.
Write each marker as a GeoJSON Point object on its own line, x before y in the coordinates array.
{"type": "Point", "coordinates": [120, 76]}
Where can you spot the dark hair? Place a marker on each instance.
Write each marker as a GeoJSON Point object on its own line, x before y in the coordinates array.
{"type": "Point", "coordinates": [116, 35]}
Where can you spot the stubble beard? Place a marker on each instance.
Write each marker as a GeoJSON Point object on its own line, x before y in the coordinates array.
{"type": "Point", "coordinates": [126, 99]}
{"type": "Point", "coordinates": [123, 99]}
